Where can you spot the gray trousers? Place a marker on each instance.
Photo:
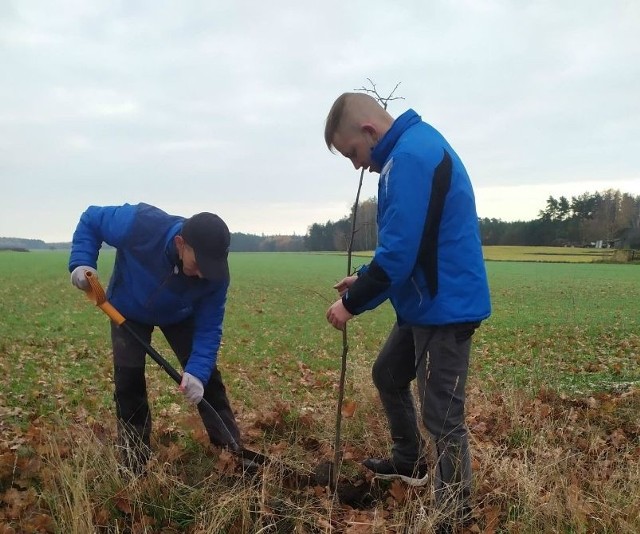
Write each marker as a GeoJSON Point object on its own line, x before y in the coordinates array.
{"type": "Point", "coordinates": [439, 358]}
{"type": "Point", "coordinates": [132, 407]}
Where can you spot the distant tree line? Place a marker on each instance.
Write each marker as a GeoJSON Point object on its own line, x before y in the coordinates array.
{"type": "Point", "coordinates": [336, 235]}
{"type": "Point", "coordinates": [239, 243]}
{"type": "Point", "coordinates": [260, 243]}
{"type": "Point", "coordinates": [610, 218]}
{"type": "Point", "coordinates": [24, 245]}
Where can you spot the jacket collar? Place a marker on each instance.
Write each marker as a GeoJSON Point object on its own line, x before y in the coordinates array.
{"type": "Point", "coordinates": [381, 151]}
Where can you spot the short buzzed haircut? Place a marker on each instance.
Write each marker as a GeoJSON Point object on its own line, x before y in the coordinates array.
{"type": "Point", "coordinates": [334, 118]}
{"type": "Point", "coordinates": [353, 108]}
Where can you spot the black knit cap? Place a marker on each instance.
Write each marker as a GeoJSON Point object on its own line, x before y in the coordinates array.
{"type": "Point", "coordinates": [209, 237]}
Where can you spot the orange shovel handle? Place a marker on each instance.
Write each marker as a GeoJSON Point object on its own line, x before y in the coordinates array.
{"type": "Point", "coordinates": [96, 294]}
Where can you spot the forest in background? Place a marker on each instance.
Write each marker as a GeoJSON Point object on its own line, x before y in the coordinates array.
{"type": "Point", "coordinates": [608, 219]}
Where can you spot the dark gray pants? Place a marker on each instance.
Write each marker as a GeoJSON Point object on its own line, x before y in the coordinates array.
{"type": "Point", "coordinates": [132, 407]}
{"type": "Point", "coordinates": [439, 358]}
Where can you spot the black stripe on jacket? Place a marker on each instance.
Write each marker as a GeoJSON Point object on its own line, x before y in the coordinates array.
{"type": "Point", "coordinates": [428, 251]}
{"type": "Point", "coordinates": [375, 280]}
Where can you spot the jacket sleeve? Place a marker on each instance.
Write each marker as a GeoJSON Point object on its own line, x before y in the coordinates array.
{"type": "Point", "coordinates": [406, 188]}
{"type": "Point", "coordinates": [98, 224]}
{"type": "Point", "coordinates": [207, 335]}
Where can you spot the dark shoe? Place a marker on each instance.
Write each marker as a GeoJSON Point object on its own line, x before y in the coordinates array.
{"type": "Point", "coordinates": [249, 461]}
{"type": "Point", "coordinates": [465, 520]}
{"type": "Point", "coordinates": [249, 467]}
{"type": "Point", "coordinates": [134, 459]}
{"type": "Point", "coordinates": [386, 469]}
{"type": "Point", "coordinates": [133, 466]}
{"type": "Point", "coordinates": [445, 528]}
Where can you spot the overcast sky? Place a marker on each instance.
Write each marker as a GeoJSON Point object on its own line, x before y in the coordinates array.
{"type": "Point", "coordinates": [220, 105]}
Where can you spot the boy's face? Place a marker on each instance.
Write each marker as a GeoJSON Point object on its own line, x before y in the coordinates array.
{"type": "Point", "coordinates": [188, 257]}
{"type": "Point", "coordinates": [356, 145]}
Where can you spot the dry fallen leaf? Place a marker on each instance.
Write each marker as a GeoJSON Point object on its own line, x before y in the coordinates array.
{"type": "Point", "coordinates": [17, 501]}
{"type": "Point", "coordinates": [398, 491]}
{"type": "Point", "coordinates": [226, 462]}
{"type": "Point", "coordinates": [124, 505]}
{"type": "Point", "coordinates": [348, 408]}
{"type": "Point", "coordinates": [491, 518]}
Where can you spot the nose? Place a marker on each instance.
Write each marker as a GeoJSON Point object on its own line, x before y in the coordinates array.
{"type": "Point", "coordinates": [355, 164]}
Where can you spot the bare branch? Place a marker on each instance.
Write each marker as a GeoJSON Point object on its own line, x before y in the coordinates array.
{"type": "Point", "coordinates": [391, 97]}
{"type": "Point", "coordinates": [374, 91]}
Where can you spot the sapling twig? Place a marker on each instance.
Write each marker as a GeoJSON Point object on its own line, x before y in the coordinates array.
{"type": "Point", "coordinates": [345, 349]}
{"type": "Point", "coordinates": [345, 342]}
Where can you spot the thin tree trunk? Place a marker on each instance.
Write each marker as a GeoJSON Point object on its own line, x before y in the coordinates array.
{"type": "Point", "coordinates": [337, 458]}
{"type": "Point", "coordinates": [345, 345]}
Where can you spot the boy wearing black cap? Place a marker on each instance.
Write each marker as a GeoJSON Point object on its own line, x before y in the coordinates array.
{"type": "Point", "coordinates": [172, 273]}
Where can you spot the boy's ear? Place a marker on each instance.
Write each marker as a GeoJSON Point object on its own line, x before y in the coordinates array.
{"type": "Point", "coordinates": [370, 130]}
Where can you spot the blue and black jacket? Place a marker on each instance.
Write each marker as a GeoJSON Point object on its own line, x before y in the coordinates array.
{"type": "Point", "coordinates": [428, 261]}
{"type": "Point", "coordinates": [147, 284]}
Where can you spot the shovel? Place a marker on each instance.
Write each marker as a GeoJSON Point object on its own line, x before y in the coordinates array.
{"type": "Point", "coordinates": [96, 293]}
{"type": "Point", "coordinates": [357, 494]}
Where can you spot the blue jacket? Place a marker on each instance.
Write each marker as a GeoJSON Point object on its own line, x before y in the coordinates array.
{"type": "Point", "coordinates": [147, 284]}
{"type": "Point", "coordinates": [428, 261]}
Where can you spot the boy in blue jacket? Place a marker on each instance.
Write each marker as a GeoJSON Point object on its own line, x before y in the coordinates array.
{"type": "Point", "coordinates": [172, 273]}
{"type": "Point", "coordinates": [429, 264]}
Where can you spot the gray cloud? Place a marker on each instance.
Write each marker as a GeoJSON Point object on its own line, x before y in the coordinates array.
{"type": "Point", "coordinates": [199, 105]}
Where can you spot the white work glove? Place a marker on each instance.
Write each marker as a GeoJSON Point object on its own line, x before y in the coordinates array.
{"type": "Point", "coordinates": [79, 279]}
{"type": "Point", "coordinates": [192, 388]}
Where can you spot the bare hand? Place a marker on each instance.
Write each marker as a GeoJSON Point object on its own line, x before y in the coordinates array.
{"type": "Point", "coordinates": [345, 284]}
{"type": "Point", "coordinates": [337, 315]}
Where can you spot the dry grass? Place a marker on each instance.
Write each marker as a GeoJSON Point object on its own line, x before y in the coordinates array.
{"type": "Point", "coordinates": [544, 461]}
{"type": "Point", "coordinates": [558, 465]}
{"type": "Point", "coordinates": [543, 464]}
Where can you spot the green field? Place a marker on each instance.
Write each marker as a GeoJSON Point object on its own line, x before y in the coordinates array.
{"type": "Point", "coordinates": [547, 254]}
{"type": "Point", "coordinates": [561, 334]}
{"type": "Point", "coordinates": [542, 254]}
{"type": "Point", "coordinates": [566, 325]}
